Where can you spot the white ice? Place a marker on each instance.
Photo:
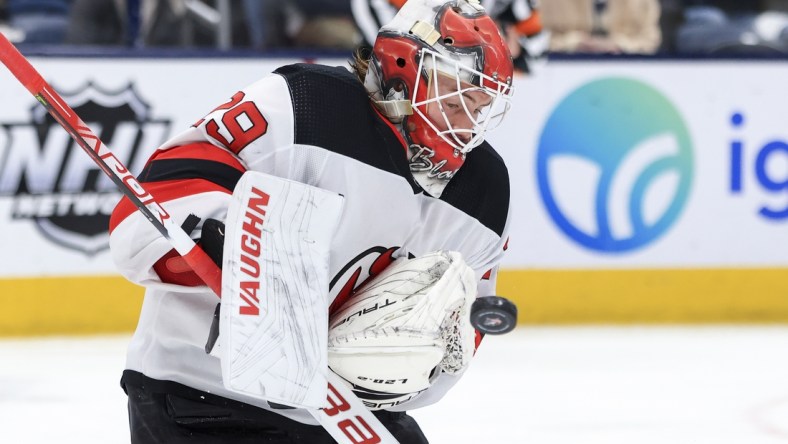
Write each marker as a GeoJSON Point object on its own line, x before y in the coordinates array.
{"type": "Point", "coordinates": [580, 385]}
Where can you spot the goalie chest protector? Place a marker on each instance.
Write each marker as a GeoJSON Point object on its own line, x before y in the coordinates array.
{"type": "Point", "coordinates": [342, 144]}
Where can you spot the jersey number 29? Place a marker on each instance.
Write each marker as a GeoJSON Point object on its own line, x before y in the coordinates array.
{"type": "Point", "coordinates": [243, 122]}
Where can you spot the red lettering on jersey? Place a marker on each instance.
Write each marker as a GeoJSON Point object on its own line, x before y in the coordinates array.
{"type": "Point", "coordinates": [355, 428]}
{"type": "Point", "coordinates": [336, 402]}
{"type": "Point", "coordinates": [363, 435]}
{"type": "Point", "coordinates": [243, 122]}
{"type": "Point", "coordinates": [236, 99]}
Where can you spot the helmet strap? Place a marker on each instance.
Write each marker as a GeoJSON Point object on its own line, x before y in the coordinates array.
{"type": "Point", "coordinates": [388, 104]}
{"type": "Point", "coordinates": [425, 32]}
{"type": "Point", "coordinates": [394, 110]}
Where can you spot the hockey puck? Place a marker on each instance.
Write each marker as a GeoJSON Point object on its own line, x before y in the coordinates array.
{"type": "Point", "coordinates": [493, 315]}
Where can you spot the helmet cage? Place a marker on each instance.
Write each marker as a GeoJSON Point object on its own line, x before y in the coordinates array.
{"type": "Point", "coordinates": [432, 64]}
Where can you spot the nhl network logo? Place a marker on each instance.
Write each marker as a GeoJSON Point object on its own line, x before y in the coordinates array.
{"type": "Point", "coordinates": [55, 185]}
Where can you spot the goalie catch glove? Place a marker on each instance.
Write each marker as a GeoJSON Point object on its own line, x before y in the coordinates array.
{"type": "Point", "coordinates": [395, 335]}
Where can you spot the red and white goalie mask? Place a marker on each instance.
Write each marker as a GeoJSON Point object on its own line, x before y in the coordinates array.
{"type": "Point", "coordinates": [444, 73]}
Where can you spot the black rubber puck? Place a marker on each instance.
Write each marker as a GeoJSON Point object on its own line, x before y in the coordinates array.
{"type": "Point", "coordinates": [493, 315]}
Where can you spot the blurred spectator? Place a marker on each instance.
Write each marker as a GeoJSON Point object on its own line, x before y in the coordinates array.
{"type": "Point", "coordinates": [41, 21]}
{"type": "Point", "coordinates": [299, 23]}
{"type": "Point", "coordinates": [602, 26]}
{"type": "Point", "coordinates": [323, 24]}
{"type": "Point", "coordinates": [104, 22]}
{"type": "Point", "coordinates": [261, 24]}
{"type": "Point", "coordinates": [670, 19]}
{"type": "Point", "coordinates": [265, 21]}
{"type": "Point", "coordinates": [775, 5]}
{"type": "Point", "coordinates": [161, 23]}
{"type": "Point", "coordinates": [97, 22]}
{"type": "Point", "coordinates": [11, 34]}
{"type": "Point", "coordinates": [725, 27]}
{"type": "Point", "coordinates": [182, 22]}
{"type": "Point", "coordinates": [521, 23]}
{"type": "Point", "coordinates": [739, 7]}
{"type": "Point", "coordinates": [3, 14]}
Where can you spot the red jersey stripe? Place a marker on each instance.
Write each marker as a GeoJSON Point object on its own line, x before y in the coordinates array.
{"type": "Point", "coordinates": [162, 192]}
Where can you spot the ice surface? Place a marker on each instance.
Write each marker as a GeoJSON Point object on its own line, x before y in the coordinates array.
{"type": "Point", "coordinates": [588, 385]}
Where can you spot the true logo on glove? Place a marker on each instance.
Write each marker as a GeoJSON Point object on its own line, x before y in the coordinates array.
{"type": "Point", "coordinates": [251, 247]}
{"type": "Point", "coordinates": [364, 311]}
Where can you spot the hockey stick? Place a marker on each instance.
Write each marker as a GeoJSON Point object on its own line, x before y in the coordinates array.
{"type": "Point", "coordinates": [346, 418]}
{"type": "Point", "coordinates": [27, 75]}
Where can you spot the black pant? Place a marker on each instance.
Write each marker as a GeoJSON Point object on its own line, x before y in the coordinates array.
{"type": "Point", "coordinates": [194, 417]}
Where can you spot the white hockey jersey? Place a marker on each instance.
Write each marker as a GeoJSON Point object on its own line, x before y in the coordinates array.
{"type": "Point", "coordinates": [313, 124]}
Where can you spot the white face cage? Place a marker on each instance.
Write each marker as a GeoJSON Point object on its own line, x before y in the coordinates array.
{"type": "Point", "coordinates": [464, 111]}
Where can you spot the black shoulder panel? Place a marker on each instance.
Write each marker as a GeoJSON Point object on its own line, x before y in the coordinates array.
{"type": "Point", "coordinates": [181, 169]}
{"type": "Point", "coordinates": [481, 188]}
{"type": "Point", "coordinates": [332, 110]}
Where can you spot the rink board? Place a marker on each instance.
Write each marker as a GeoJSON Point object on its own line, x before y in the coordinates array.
{"type": "Point", "coordinates": [642, 191]}
{"type": "Point", "coordinates": [89, 305]}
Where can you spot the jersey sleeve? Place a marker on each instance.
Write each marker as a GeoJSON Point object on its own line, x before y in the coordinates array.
{"type": "Point", "coordinates": [194, 173]}
{"type": "Point", "coordinates": [195, 179]}
{"type": "Point", "coordinates": [255, 124]}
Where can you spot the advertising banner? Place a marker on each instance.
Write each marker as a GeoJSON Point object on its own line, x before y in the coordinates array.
{"type": "Point", "coordinates": [649, 164]}
{"type": "Point", "coordinates": [642, 191]}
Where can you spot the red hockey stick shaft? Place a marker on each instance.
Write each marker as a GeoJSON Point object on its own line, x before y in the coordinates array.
{"type": "Point", "coordinates": [28, 76]}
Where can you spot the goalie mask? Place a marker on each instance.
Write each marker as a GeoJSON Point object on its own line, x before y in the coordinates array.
{"type": "Point", "coordinates": [443, 71]}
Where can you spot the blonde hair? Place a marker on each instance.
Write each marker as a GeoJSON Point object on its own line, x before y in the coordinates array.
{"type": "Point", "coordinates": [360, 63]}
